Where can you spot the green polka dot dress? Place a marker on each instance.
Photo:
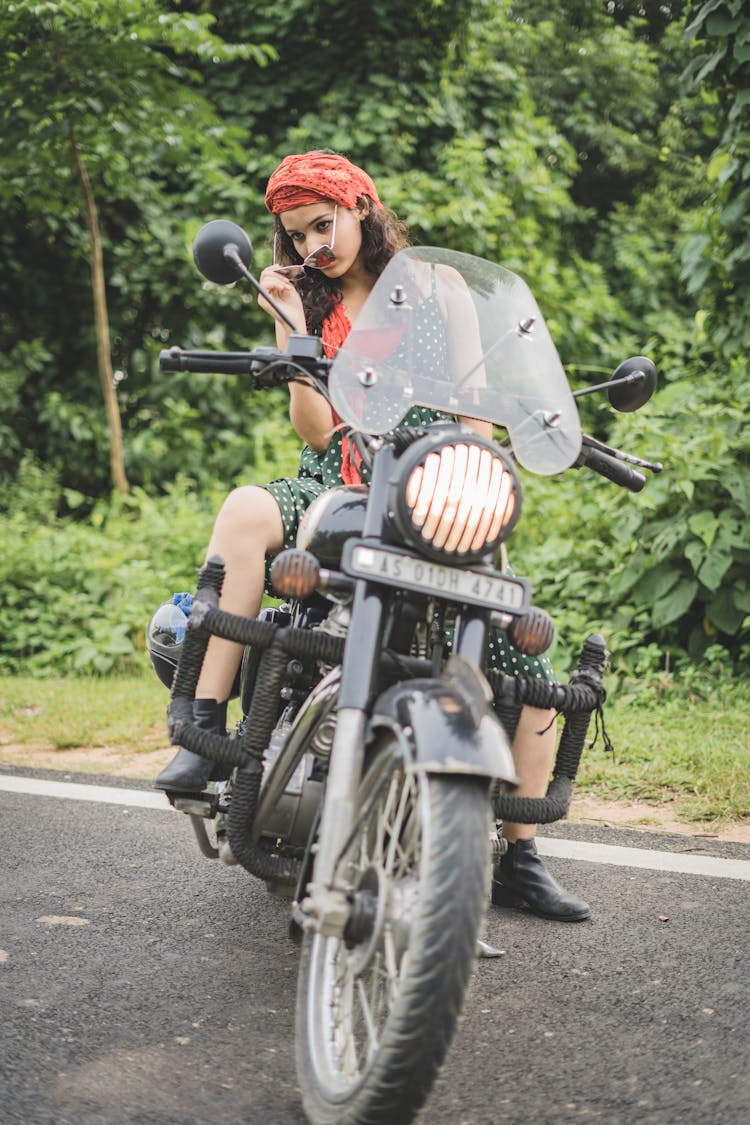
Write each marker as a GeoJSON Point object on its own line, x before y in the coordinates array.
{"type": "Point", "coordinates": [321, 471]}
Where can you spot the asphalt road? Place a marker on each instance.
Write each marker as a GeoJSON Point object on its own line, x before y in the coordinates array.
{"type": "Point", "coordinates": [141, 983]}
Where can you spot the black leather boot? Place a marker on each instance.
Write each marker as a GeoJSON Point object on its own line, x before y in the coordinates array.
{"type": "Point", "coordinates": [521, 879]}
{"type": "Point", "coordinates": [189, 772]}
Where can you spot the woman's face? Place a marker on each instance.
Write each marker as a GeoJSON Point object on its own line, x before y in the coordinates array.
{"type": "Point", "coordinates": [312, 226]}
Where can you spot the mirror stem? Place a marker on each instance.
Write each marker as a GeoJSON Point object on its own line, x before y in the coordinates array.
{"type": "Point", "coordinates": [232, 254]}
{"type": "Point", "coordinates": [634, 377]}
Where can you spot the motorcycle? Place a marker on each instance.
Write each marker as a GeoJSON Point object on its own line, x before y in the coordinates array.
{"type": "Point", "coordinates": [372, 762]}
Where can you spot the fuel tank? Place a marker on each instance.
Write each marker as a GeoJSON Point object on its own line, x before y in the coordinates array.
{"type": "Point", "coordinates": [332, 518]}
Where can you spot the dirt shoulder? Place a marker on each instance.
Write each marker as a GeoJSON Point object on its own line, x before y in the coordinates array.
{"type": "Point", "coordinates": [114, 761]}
{"type": "Point", "coordinates": [651, 818]}
{"type": "Point", "coordinates": [145, 764]}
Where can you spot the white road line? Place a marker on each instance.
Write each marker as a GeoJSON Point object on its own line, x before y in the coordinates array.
{"type": "Point", "coordinates": [75, 791]}
{"type": "Point", "coordinates": [680, 862]}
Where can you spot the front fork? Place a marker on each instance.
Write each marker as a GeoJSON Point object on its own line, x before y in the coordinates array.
{"type": "Point", "coordinates": [326, 905]}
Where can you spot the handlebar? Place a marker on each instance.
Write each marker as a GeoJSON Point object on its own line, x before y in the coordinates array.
{"type": "Point", "coordinates": [611, 468]}
{"type": "Point", "coordinates": [268, 366]}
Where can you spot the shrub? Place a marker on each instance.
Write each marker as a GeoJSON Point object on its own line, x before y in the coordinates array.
{"type": "Point", "coordinates": [664, 574]}
{"type": "Point", "coordinates": [77, 597]}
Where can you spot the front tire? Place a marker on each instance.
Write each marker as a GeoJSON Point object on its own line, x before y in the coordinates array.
{"type": "Point", "coordinates": [376, 1011]}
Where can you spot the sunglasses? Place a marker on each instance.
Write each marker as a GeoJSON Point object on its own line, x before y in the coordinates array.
{"type": "Point", "coordinates": [317, 259]}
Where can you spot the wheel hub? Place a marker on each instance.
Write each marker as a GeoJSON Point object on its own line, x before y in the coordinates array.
{"type": "Point", "coordinates": [364, 929]}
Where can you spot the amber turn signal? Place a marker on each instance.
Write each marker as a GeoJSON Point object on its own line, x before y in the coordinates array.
{"type": "Point", "coordinates": [533, 632]}
{"type": "Point", "coordinates": [295, 573]}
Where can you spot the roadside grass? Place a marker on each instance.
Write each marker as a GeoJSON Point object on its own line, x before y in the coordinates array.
{"type": "Point", "coordinates": [65, 714]}
{"type": "Point", "coordinates": [675, 745]}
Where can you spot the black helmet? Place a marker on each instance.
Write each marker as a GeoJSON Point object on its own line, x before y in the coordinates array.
{"type": "Point", "coordinates": [166, 632]}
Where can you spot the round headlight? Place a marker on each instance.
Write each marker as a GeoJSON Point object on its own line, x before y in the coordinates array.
{"type": "Point", "coordinates": [457, 496]}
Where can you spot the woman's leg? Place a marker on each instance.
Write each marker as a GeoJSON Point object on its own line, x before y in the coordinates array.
{"type": "Point", "coordinates": [248, 527]}
{"type": "Point", "coordinates": [533, 754]}
{"type": "Point", "coordinates": [521, 878]}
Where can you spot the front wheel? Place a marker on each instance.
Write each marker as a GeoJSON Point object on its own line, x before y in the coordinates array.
{"type": "Point", "coordinates": [376, 1010]}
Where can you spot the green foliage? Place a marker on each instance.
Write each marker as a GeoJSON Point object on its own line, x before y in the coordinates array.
{"type": "Point", "coordinates": [717, 260]}
{"type": "Point", "coordinates": [604, 89]}
{"type": "Point", "coordinates": [121, 84]}
{"type": "Point", "coordinates": [665, 574]}
{"type": "Point", "coordinates": [78, 597]}
{"type": "Point", "coordinates": [35, 493]}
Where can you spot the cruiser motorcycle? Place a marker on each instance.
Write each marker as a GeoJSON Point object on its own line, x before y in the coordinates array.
{"type": "Point", "coordinates": [372, 761]}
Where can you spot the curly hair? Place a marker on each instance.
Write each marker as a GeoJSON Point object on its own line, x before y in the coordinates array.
{"type": "Point", "coordinates": [383, 235]}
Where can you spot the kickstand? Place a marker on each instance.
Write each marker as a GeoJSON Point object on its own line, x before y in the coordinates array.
{"type": "Point", "coordinates": [201, 835]}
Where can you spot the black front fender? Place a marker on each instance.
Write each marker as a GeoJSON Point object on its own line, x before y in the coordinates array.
{"type": "Point", "coordinates": [438, 733]}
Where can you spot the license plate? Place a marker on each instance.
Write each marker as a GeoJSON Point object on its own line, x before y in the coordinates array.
{"type": "Point", "coordinates": [454, 584]}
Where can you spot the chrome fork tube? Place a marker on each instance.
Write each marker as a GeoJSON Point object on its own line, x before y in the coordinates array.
{"type": "Point", "coordinates": [326, 905]}
{"type": "Point", "coordinates": [345, 769]}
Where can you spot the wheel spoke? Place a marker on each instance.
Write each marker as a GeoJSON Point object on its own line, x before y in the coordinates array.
{"type": "Point", "coordinates": [409, 853]}
{"type": "Point", "coordinates": [397, 824]}
{"type": "Point", "coordinates": [407, 845]}
{"type": "Point", "coordinates": [366, 1008]}
{"type": "Point", "coordinates": [382, 827]}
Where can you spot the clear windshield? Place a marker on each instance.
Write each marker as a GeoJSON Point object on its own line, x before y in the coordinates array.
{"type": "Point", "coordinates": [461, 335]}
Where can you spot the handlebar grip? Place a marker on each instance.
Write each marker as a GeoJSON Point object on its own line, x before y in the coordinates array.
{"type": "Point", "coordinates": [207, 363]}
{"type": "Point", "coordinates": [611, 468]}
{"type": "Point", "coordinates": [169, 360]}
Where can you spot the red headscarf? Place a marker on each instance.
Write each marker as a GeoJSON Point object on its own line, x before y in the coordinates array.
{"type": "Point", "coordinates": [312, 176]}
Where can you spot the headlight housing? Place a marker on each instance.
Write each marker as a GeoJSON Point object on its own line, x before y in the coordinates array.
{"type": "Point", "coordinates": [457, 496]}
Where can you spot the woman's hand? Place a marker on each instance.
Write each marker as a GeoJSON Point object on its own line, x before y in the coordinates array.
{"type": "Point", "coordinates": [309, 412]}
{"type": "Point", "coordinates": [283, 292]}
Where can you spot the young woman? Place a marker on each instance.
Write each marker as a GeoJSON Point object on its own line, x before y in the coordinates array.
{"type": "Point", "coordinates": [333, 238]}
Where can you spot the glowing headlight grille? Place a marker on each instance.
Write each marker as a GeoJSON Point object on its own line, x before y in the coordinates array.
{"type": "Point", "coordinates": [462, 498]}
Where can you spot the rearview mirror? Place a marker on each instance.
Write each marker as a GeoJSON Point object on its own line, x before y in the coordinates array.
{"type": "Point", "coordinates": [217, 246]}
{"type": "Point", "coordinates": [637, 379]}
